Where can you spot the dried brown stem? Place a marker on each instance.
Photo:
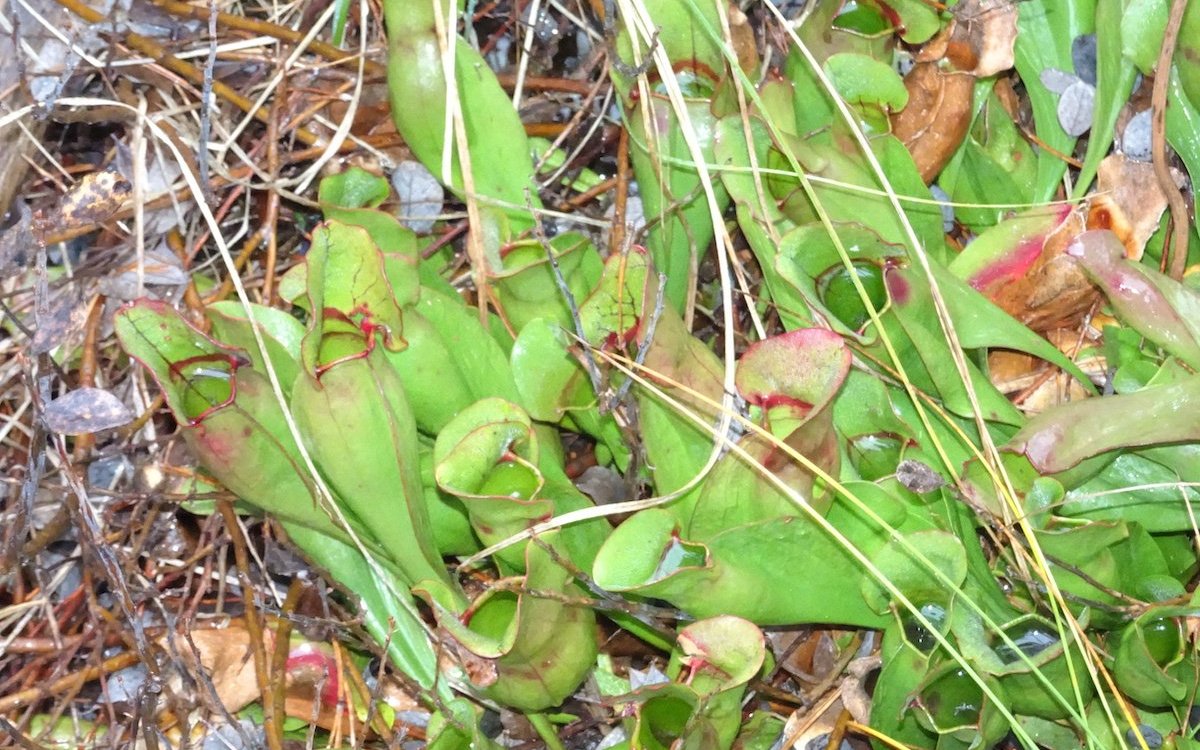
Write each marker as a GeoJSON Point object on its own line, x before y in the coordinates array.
{"type": "Point", "coordinates": [191, 73]}
{"type": "Point", "coordinates": [1158, 143]}
{"type": "Point", "coordinates": [87, 674]}
{"type": "Point", "coordinates": [254, 628]}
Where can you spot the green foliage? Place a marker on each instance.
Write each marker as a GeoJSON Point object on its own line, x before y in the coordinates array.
{"type": "Point", "coordinates": [859, 487]}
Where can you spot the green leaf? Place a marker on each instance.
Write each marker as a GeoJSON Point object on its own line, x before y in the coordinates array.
{"type": "Point", "coordinates": [1136, 489]}
{"type": "Point", "coordinates": [789, 381]}
{"type": "Point", "coordinates": [501, 169]}
{"type": "Point", "coordinates": [1115, 76]}
{"type": "Point", "coordinates": [758, 217]}
{"type": "Point", "coordinates": [618, 314]}
{"type": "Point", "coordinates": [487, 457]}
{"type": "Point", "coordinates": [281, 333]}
{"type": "Point", "coordinates": [901, 564]}
{"type": "Point", "coordinates": [721, 653]}
{"type": "Point", "coordinates": [994, 164]}
{"type": "Point", "coordinates": [1142, 27]}
{"type": "Point", "coordinates": [555, 387]}
{"type": "Point", "coordinates": [1060, 438]}
{"type": "Point", "coordinates": [450, 362]}
{"type": "Point", "coordinates": [526, 284]}
{"type": "Point", "coordinates": [391, 621]}
{"type": "Point", "coordinates": [532, 650]}
{"type": "Point", "coordinates": [1148, 654]}
{"type": "Point", "coordinates": [358, 426]}
{"type": "Point", "coordinates": [863, 80]}
{"type": "Point", "coordinates": [1183, 127]}
{"type": "Point", "coordinates": [231, 418]}
{"type": "Point", "coordinates": [645, 555]}
{"type": "Point", "coordinates": [348, 293]}
{"type": "Point", "coordinates": [675, 205]}
{"type": "Point", "coordinates": [353, 188]}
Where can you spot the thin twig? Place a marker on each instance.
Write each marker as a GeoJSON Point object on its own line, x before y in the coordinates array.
{"type": "Point", "coordinates": [616, 237]}
{"type": "Point", "coordinates": [589, 362]}
{"type": "Point", "coordinates": [660, 299]}
{"type": "Point", "coordinates": [153, 49]}
{"type": "Point", "coordinates": [34, 694]}
{"type": "Point", "coordinates": [1158, 142]}
{"type": "Point", "coordinates": [206, 101]}
{"type": "Point", "coordinates": [254, 625]}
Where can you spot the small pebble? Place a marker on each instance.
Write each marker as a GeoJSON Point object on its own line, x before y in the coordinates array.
{"type": "Point", "coordinates": [1135, 141]}
{"type": "Point", "coordinates": [1083, 55]}
{"type": "Point", "coordinates": [1153, 738]}
{"type": "Point", "coordinates": [1057, 81]}
{"type": "Point", "coordinates": [1075, 108]}
{"type": "Point", "coordinates": [421, 196]}
{"type": "Point", "coordinates": [125, 684]}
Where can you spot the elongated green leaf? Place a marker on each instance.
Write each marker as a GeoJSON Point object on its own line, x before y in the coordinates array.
{"type": "Point", "coordinates": [229, 413]}
{"type": "Point", "coordinates": [618, 314]}
{"type": "Point", "coordinates": [1115, 75]}
{"type": "Point", "coordinates": [390, 621]}
{"type": "Point", "coordinates": [1160, 308]}
{"type": "Point", "coordinates": [1137, 489]}
{"type": "Point", "coordinates": [1060, 438]}
{"type": "Point", "coordinates": [500, 165]}
{"type": "Point", "coordinates": [357, 424]}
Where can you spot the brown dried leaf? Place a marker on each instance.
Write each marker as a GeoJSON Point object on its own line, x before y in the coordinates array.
{"type": "Point", "coordinates": [226, 655]}
{"type": "Point", "coordinates": [1037, 385]}
{"type": "Point", "coordinates": [742, 35]}
{"type": "Point", "coordinates": [86, 410]}
{"type": "Point", "coordinates": [64, 317]}
{"type": "Point", "coordinates": [93, 199]}
{"type": "Point", "coordinates": [1053, 292]}
{"type": "Point", "coordinates": [314, 686]}
{"type": "Point", "coordinates": [1130, 202]}
{"type": "Point", "coordinates": [936, 119]}
{"type": "Point", "coordinates": [984, 34]}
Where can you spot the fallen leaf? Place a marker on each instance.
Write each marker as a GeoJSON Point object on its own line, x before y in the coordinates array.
{"type": "Point", "coordinates": [988, 29]}
{"type": "Point", "coordinates": [313, 684]}
{"type": "Point", "coordinates": [421, 196]}
{"type": "Point", "coordinates": [1051, 291]}
{"type": "Point", "coordinates": [1075, 108]}
{"type": "Point", "coordinates": [741, 34]}
{"type": "Point", "coordinates": [1036, 385]}
{"type": "Point", "coordinates": [937, 116]}
{"type": "Point", "coordinates": [159, 267]}
{"type": "Point", "coordinates": [64, 317]}
{"type": "Point", "coordinates": [92, 200]}
{"type": "Point", "coordinates": [1130, 202]}
{"type": "Point", "coordinates": [86, 410]}
{"type": "Point", "coordinates": [226, 656]}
